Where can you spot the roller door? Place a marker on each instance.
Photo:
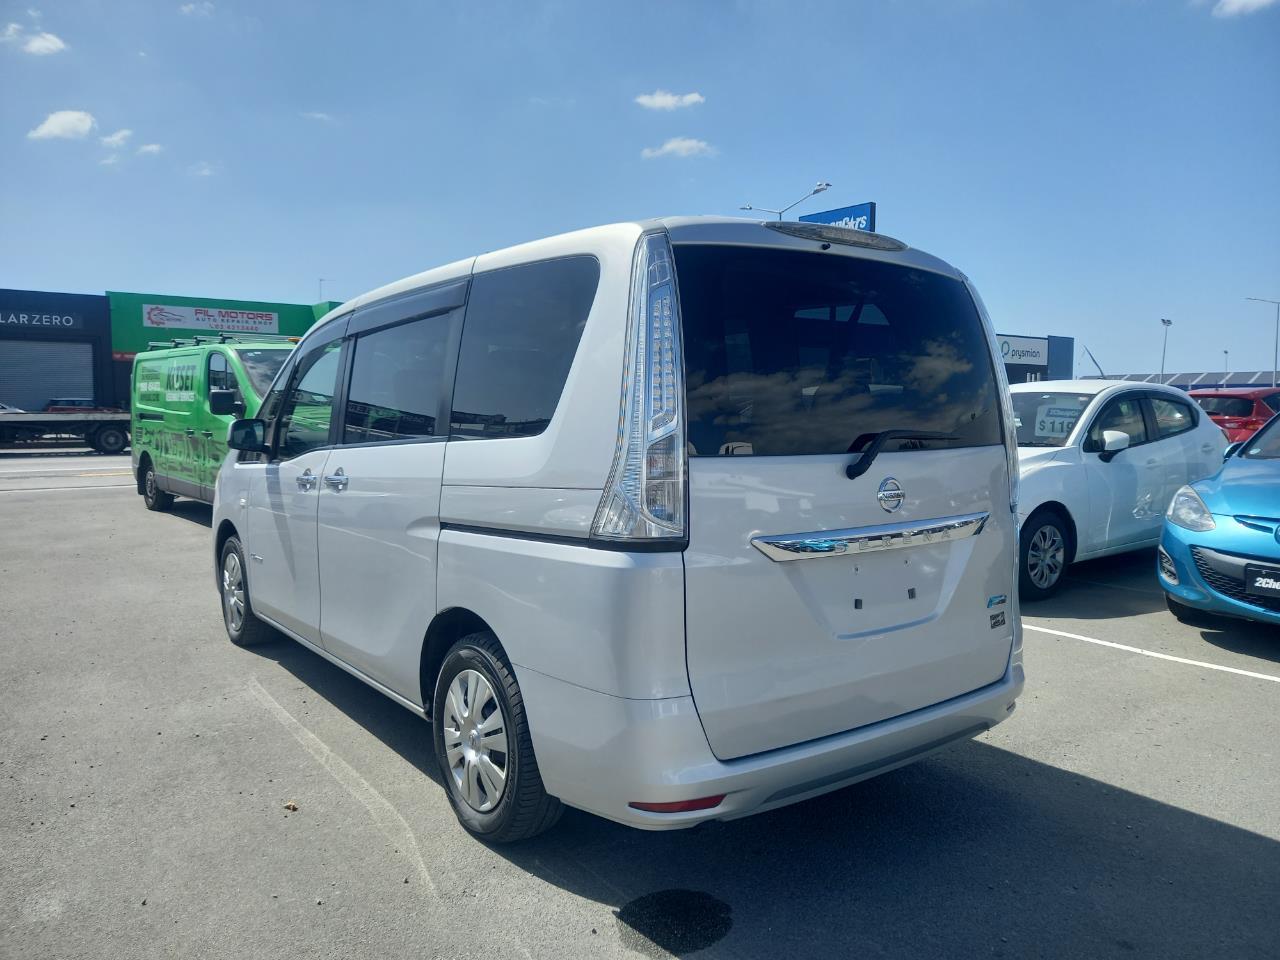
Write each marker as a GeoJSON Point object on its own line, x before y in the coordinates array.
{"type": "Point", "coordinates": [32, 372]}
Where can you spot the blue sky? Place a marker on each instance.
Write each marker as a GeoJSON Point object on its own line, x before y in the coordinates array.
{"type": "Point", "coordinates": [1094, 165]}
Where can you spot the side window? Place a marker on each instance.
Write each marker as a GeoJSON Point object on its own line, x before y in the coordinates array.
{"type": "Point", "coordinates": [1272, 402]}
{"type": "Point", "coordinates": [1172, 417]}
{"type": "Point", "coordinates": [519, 338]}
{"type": "Point", "coordinates": [397, 377]}
{"type": "Point", "coordinates": [1123, 414]}
{"type": "Point", "coordinates": [307, 410]}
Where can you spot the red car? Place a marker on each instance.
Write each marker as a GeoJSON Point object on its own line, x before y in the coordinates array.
{"type": "Point", "coordinates": [1239, 411]}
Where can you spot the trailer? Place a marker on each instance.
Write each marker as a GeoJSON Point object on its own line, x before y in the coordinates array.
{"type": "Point", "coordinates": [105, 431]}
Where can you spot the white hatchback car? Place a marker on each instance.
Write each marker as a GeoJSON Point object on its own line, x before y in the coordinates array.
{"type": "Point", "coordinates": [668, 521]}
{"type": "Point", "coordinates": [1099, 462]}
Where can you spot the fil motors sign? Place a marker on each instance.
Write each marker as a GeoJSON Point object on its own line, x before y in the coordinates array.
{"type": "Point", "coordinates": [1028, 351]}
{"type": "Point", "coordinates": [217, 319]}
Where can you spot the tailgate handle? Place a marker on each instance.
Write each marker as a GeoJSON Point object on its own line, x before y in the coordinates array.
{"type": "Point", "coordinates": [855, 540]}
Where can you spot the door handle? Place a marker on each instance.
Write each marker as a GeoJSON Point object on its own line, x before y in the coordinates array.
{"type": "Point", "coordinates": [338, 480]}
{"type": "Point", "coordinates": [1152, 462]}
{"type": "Point", "coordinates": [191, 431]}
{"type": "Point", "coordinates": [208, 433]}
{"type": "Point", "coordinates": [1206, 448]}
{"type": "Point", "coordinates": [306, 480]}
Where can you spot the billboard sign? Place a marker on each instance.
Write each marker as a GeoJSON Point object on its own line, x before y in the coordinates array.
{"type": "Point", "coordinates": [1028, 351]}
{"type": "Point", "coordinates": [861, 216]}
{"type": "Point", "coordinates": [218, 319]}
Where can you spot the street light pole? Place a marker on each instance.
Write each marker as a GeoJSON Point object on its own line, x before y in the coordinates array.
{"type": "Point", "coordinates": [1163, 349]}
{"type": "Point", "coordinates": [1275, 356]}
{"type": "Point", "coordinates": [1226, 366]}
{"type": "Point", "coordinates": [821, 186]}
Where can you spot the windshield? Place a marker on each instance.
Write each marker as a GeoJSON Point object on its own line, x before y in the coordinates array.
{"type": "Point", "coordinates": [1225, 406]}
{"type": "Point", "coordinates": [262, 366]}
{"type": "Point", "coordinates": [1265, 444]}
{"type": "Point", "coordinates": [792, 353]}
{"type": "Point", "coordinates": [1047, 419]}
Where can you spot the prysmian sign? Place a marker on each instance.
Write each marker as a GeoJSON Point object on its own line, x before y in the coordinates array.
{"type": "Point", "coordinates": [220, 319]}
{"type": "Point", "coordinates": [36, 318]}
{"type": "Point", "coordinates": [1028, 351]}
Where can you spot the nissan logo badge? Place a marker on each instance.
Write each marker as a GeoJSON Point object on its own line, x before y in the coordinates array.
{"type": "Point", "coordinates": [890, 495]}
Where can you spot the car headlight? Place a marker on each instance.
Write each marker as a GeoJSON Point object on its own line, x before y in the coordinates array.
{"type": "Point", "coordinates": [1188, 510]}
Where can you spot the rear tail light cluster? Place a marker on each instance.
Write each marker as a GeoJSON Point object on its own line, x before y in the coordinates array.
{"type": "Point", "coordinates": [644, 500]}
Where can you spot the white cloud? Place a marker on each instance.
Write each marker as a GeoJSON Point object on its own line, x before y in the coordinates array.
{"type": "Point", "coordinates": [316, 115]}
{"type": "Point", "coordinates": [149, 149]}
{"type": "Point", "coordinates": [202, 169]}
{"type": "Point", "coordinates": [43, 44]}
{"type": "Point", "coordinates": [680, 147]}
{"type": "Point", "coordinates": [1236, 8]}
{"type": "Point", "coordinates": [65, 125]}
{"type": "Point", "coordinates": [110, 161]}
{"type": "Point", "coordinates": [664, 100]}
{"type": "Point", "coordinates": [203, 8]}
{"type": "Point", "coordinates": [12, 33]}
{"type": "Point", "coordinates": [116, 140]}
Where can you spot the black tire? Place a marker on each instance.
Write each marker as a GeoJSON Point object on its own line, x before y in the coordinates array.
{"type": "Point", "coordinates": [152, 495]}
{"type": "Point", "coordinates": [1188, 615]}
{"type": "Point", "coordinates": [1036, 577]}
{"type": "Point", "coordinates": [250, 631]}
{"type": "Point", "coordinates": [109, 439]}
{"type": "Point", "coordinates": [523, 808]}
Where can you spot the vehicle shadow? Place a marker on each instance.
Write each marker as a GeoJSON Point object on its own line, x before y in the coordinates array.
{"type": "Point", "coordinates": [1119, 586]}
{"type": "Point", "coordinates": [193, 511]}
{"type": "Point", "coordinates": [975, 852]}
{"type": "Point", "coordinates": [1261, 640]}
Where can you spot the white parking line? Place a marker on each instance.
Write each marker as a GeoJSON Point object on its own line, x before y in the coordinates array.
{"type": "Point", "coordinates": [92, 486]}
{"type": "Point", "coordinates": [1152, 653]}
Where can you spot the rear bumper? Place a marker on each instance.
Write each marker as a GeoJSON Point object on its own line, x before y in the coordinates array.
{"type": "Point", "coordinates": [599, 753]}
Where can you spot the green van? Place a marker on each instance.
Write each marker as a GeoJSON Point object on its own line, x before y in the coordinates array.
{"type": "Point", "coordinates": [178, 442]}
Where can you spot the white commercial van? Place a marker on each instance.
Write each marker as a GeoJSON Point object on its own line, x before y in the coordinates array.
{"type": "Point", "coordinates": [669, 521]}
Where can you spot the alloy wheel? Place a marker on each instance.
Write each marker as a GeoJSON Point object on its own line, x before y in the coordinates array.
{"type": "Point", "coordinates": [475, 740]}
{"type": "Point", "coordinates": [1046, 556]}
{"type": "Point", "coordinates": [233, 591]}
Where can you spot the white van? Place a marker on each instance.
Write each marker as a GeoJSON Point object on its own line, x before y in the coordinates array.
{"type": "Point", "coordinates": [668, 521]}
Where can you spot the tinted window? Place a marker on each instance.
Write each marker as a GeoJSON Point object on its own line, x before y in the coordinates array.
{"type": "Point", "coordinates": [261, 367]}
{"type": "Point", "coordinates": [308, 407]}
{"type": "Point", "coordinates": [1172, 416]}
{"type": "Point", "coordinates": [519, 337]}
{"type": "Point", "coordinates": [1047, 419]}
{"type": "Point", "coordinates": [1265, 444]}
{"type": "Point", "coordinates": [1226, 406]}
{"type": "Point", "coordinates": [1273, 402]}
{"type": "Point", "coordinates": [1124, 415]}
{"type": "Point", "coordinates": [396, 382]}
{"type": "Point", "coordinates": [803, 353]}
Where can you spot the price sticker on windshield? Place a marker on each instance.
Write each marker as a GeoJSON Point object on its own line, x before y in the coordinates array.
{"type": "Point", "coordinates": [1055, 421]}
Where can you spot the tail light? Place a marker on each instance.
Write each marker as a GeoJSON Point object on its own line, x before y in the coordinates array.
{"type": "Point", "coordinates": [644, 499]}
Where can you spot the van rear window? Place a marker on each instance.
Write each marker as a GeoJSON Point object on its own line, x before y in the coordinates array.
{"type": "Point", "coordinates": [792, 353]}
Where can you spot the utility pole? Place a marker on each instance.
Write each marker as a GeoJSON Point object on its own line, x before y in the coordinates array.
{"type": "Point", "coordinates": [1167, 325]}
{"type": "Point", "coordinates": [1226, 366]}
{"type": "Point", "coordinates": [1275, 356]}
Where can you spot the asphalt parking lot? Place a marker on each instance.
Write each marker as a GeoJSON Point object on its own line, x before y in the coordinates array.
{"type": "Point", "coordinates": [1129, 808]}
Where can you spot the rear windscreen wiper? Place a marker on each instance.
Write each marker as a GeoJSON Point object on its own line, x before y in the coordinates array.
{"type": "Point", "coordinates": [878, 440]}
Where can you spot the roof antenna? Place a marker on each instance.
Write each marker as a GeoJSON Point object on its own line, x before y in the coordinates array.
{"type": "Point", "coordinates": [1095, 361]}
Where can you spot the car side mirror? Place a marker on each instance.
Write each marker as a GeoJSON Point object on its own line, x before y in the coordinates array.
{"type": "Point", "coordinates": [1232, 450]}
{"type": "Point", "coordinates": [1113, 441]}
{"type": "Point", "coordinates": [249, 435]}
{"type": "Point", "coordinates": [225, 403]}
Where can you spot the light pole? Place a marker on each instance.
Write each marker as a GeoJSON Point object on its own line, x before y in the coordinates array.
{"type": "Point", "coordinates": [1167, 325]}
{"type": "Point", "coordinates": [1226, 366]}
{"type": "Point", "coordinates": [320, 289]}
{"type": "Point", "coordinates": [1275, 356]}
{"type": "Point", "coordinates": [821, 186]}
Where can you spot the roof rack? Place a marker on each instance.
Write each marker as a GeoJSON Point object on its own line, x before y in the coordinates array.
{"type": "Point", "coordinates": [203, 339]}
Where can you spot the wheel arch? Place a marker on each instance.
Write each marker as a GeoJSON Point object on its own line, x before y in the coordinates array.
{"type": "Point", "coordinates": [447, 628]}
{"type": "Point", "coordinates": [144, 459]}
{"type": "Point", "coordinates": [226, 530]}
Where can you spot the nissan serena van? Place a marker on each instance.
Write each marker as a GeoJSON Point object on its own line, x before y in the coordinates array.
{"type": "Point", "coordinates": [669, 521]}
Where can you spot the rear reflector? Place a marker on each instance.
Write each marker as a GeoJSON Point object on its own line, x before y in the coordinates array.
{"type": "Point", "coordinates": [679, 806]}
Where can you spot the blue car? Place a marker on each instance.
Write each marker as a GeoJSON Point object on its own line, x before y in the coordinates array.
{"type": "Point", "coordinates": [1220, 550]}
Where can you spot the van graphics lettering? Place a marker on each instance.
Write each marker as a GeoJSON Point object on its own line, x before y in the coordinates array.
{"type": "Point", "coordinates": [180, 383]}
{"type": "Point", "coordinates": [21, 318]}
{"type": "Point", "coordinates": [209, 318]}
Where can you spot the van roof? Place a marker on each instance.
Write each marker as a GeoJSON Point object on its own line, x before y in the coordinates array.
{"type": "Point", "coordinates": [710, 230]}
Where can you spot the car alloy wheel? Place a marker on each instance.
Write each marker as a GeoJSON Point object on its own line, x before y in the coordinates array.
{"type": "Point", "coordinates": [475, 740]}
{"type": "Point", "coordinates": [1046, 556]}
{"type": "Point", "coordinates": [233, 592]}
